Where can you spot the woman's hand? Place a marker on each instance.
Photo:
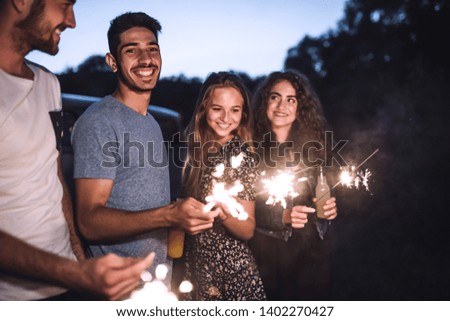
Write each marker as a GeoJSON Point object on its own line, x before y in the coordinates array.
{"type": "Point", "coordinates": [330, 208]}
{"type": "Point", "coordinates": [297, 217]}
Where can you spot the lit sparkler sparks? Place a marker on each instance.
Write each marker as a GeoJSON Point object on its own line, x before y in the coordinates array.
{"type": "Point", "coordinates": [185, 287]}
{"type": "Point", "coordinates": [280, 187]}
{"type": "Point", "coordinates": [221, 195]}
{"type": "Point", "coordinates": [347, 176]}
{"type": "Point", "coordinates": [237, 160]}
{"type": "Point", "coordinates": [350, 178]}
{"type": "Point", "coordinates": [156, 290]}
{"type": "Point", "coordinates": [363, 179]}
{"type": "Point", "coordinates": [227, 197]}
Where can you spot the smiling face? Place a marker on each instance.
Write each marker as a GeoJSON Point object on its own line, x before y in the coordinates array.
{"type": "Point", "coordinates": [41, 30]}
{"type": "Point", "coordinates": [224, 113]}
{"type": "Point", "coordinates": [282, 106]}
{"type": "Point", "coordinates": [138, 60]}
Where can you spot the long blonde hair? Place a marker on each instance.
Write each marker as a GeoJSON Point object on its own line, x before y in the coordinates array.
{"type": "Point", "coordinates": [199, 135]}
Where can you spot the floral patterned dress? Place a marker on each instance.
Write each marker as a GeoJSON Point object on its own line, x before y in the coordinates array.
{"type": "Point", "coordinates": [220, 266]}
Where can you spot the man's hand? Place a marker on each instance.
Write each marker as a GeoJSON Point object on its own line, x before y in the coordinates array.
{"type": "Point", "coordinates": [113, 277]}
{"type": "Point", "coordinates": [188, 215]}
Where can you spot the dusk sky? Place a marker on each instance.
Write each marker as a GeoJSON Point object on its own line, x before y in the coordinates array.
{"type": "Point", "coordinates": [200, 36]}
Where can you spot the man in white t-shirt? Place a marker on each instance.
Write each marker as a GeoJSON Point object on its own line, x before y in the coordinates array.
{"type": "Point", "coordinates": [40, 254]}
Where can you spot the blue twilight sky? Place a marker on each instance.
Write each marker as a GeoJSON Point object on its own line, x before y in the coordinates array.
{"type": "Point", "coordinates": [200, 36]}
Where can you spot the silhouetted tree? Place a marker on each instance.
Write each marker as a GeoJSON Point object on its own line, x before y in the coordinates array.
{"type": "Point", "coordinates": [93, 77]}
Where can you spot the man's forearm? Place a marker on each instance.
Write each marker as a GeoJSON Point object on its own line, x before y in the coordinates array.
{"type": "Point", "coordinates": [104, 224]}
{"type": "Point", "coordinates": [33, 263]}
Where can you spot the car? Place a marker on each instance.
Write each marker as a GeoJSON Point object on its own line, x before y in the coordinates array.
{"type": "Point", "coordinates": [73, 107]}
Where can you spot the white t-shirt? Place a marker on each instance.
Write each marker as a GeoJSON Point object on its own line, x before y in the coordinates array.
{"type": "Point", "coordinates": [30, 190]}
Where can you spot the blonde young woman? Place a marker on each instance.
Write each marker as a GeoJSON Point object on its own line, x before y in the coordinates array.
{"type": "Point", "coordinates": [218, 262]}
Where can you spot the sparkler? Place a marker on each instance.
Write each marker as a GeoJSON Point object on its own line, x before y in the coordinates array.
{"type": "Point", "coordinates": [154, 290]}
{"type": "Point", "coordinates": [227, 197]}
{"type": "Point", "coordinates": [237, 160]}
{"type": "Point", "coordinates": [186, 286]}
{"type": "Point", "coordinates": [349, 177]}
{"type": "Point", "coordinates": [280, 187]}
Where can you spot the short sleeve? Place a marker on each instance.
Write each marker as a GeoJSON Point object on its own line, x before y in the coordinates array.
{"type": "Point", "coordinates": [96, 148]}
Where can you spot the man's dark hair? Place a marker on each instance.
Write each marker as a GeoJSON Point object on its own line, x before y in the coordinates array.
{"type": "Point", "coordinates": [127, 21]}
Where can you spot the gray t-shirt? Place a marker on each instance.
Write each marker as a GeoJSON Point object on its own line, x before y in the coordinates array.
{"type": "Point", "coordinates": [112, 141]}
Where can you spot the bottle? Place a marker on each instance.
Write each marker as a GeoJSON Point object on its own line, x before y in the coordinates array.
{"type": "Point", "coordinates": [175, 243]}
{"type": "Point", "coordinates": [322, 194]}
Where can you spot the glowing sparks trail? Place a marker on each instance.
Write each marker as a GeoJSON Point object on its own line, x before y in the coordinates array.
{"type": "Point", "coordinates": [156, 290]}
{"type": "Point", "coordinates": [280, 187]}
{"type": "Point", "coordinates": [227, 197]}
{"type": "Point", "coordinates": [237, 160]}
{"type": "Point", "coordinates": [219, 170]}
{"type": "Point", "coordinates": [349, 178]}
{"type": "Point", "coordinates": [221, 195]}
{"type": "Point", "coordinates": [363, 179]}
{"type": "Point", "coordinates": [186, 286]}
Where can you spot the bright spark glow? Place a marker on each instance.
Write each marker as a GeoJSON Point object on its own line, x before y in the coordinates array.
{"type": "Point", "coordinates": [161, 272]}
{"type": "Point", "coordinates": [364, 176]}
{"type": "Point", "coordinates": [219, 170]}
{"type": "Point", "coordinates": [185, 287]}
{"type": "Point", "coordinates": [349, 178]}
{"type": "Point", "coordinates": [226, 197]}
{"type": "Point", "coordinates": [146, 276]}
{"type": "Point", "coordinates": [237, 160]}
{"type": "Point", "coordinates": [280, 187]}
{"type": "Point", "coordinates": [155, 291]}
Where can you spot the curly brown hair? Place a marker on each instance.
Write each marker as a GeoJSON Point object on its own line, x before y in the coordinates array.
{"type": "Point", "coordinates": [309, 124]}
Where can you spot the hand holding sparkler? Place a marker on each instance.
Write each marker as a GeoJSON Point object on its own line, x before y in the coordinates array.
{"type": "Point", "coordinates": [226, 198]}
{"type": "Point", "coordinates": [297, 216]}
{"type": "Point", "coordinates": [241, 229]}
{"type": "Point", "coordinates": [189, 215]}
{"type": "Point", "coordinates": [154, 289]}
{"type": "Point", "coordinates": [110, 276]}
{"type": "Point", "coordinates": [280, 188]}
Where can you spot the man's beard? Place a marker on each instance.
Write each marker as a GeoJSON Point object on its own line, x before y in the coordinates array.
{"type": "Point", "coordinates": [31, 31]}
